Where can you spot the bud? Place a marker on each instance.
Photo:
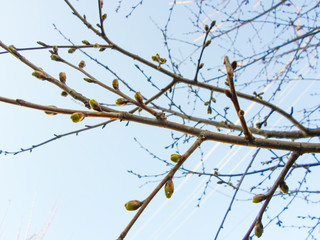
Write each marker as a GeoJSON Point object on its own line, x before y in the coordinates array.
{"type": "Point", "coordinates": [284, 187]}
{"type": "Point", "coordinates": [85, 42]}
{"type": "Point", "coordinates": [234, 65]}
{"type": "Point", "coordinates": [201, 65]}
{"type": "Point", "coordinates": [104, 17]}
{"type": "Point", "coordinates": [55, 49]}
{"type": "Point", "coordinates": [212, 24]}
{"type": "Point", "coordinates": [102, 49]}
{"type": "Point", "coordinates": [50, 113]}
{"type": "Point", "coordinates": [72, 50]}
{"type": "Point", "coordinates": [169, 188]}
{"type": "Point", "coordinates": [207, 43]}
{"type": "Point", "coordinates": [175, 157]}
{"type": "Point", "coordinates": [100, 3]}
{"type": "Point", "coordinates": [77, 117]}
{"type": "Point", "coordinates": [95, 105]}
{"type": "Point", "coordinates": [133, 205]}
{"type": "Point", "coordinates": [64, 94]}
{"type": "Point", "coordinates": [88, 80]}
{"type": "Point", "coordinates": [115, 84]}
{"type": "Point", "coordinates": [206, 27]}
{"type": "Point", "coordinates": [42, 44]}
{"type": "Point", "coordinates": [55, 57]}
{"type": "Point", "coordinates": [63, 77]}
{"type": "Point", "coordinates": [259, 198]}
{"type": "Point", "coordinates": [209, 110]}
{"type": "Point", "coordinates": [12, 49]}
{"type": "Point", "coordinates": [39, 75]}
{"type": "Point", "coordinates": [121, 101]}
{"type": "Point", "coordinates": [82, 64]}
{"type": "Point", "coordinates": [138, 97]}
{"type": "Point", "coordinates": [96, 45]}
{"type": "Point", "coordinates": [258, 229]}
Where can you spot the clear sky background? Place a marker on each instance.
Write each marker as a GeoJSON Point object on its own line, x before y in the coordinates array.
{"type": "Point", "coordinates": [75, 188]}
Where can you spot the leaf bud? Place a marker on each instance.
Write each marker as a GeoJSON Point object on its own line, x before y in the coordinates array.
{"type": "Point", "coordinates": [115, 84]}
{"type": "Point", "coordinates": [49, 112]}
{"type": "Point", "coordinates": [284, 187]}
{"type": "Point", "coordinates": [133, 205]}
{"type": "Point", "coordinates": [63, 77]}
{"type": "Point", "coordinates": [169, 188]}
{"type": "Point", "coordinates": [207, 43]}
{"type": "Point", "coordinates": [209, 110]}
{"type": "Point", "coordinates": [104, 17]}
{"type": "Point", "coordinates": [212, 24]}
{"type": "Point", "coordinates": [42, 44]}
{"type": "Point", "coordinates": [259, 198]}
{"type": "Point", "coordinates": [201, 65]}
{"type": "Point", "coordinates": [12, 49]}
{"type": "Point", "coordinates": [72, 50]}
{"type": "Point", "coordinates": [102, 49]}
{"type": "Point", "coordinates": [234, 65]}
{"type": "Point", "coordinates": [175, 157]}
{"type": "Point", "coordinates": [64, 94]}
{"type": "Point", "coordinates": [77, 117]}
{"type": "Point", "coordinates": [96, 45]}
{"type": "Point", "coordinates": [121, 101]}
{"type": "Point", "coordinates": [138, 97]}
{"type": "Point", "coordinates": [39, 75]}
{"type": "Point", "coordinates": [258, 229]}
{"type": "Point", "coordinates": [206, 27]}
{"type": "Point", "coordinates": [82, 64]}
{"type": "Point", "coordinates": [85, 42]}
{"type": "Point", "coordinates": [56, 57]}
{"type": "Point", "coordinates": [95, 105]}
{"type": "Point", "coordinates": [88, 80]}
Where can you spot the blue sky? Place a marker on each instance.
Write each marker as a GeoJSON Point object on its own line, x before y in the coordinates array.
{"type": "Point", "coordinates": [76, 187]}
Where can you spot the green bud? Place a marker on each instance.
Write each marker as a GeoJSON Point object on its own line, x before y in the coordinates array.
{"type": "Point", "coordinates": [169, 188]}
{"type": "Point", "coordinates": [175, 157]}
{"type": "Point", "coordinates": [284, 187]}
{"type": "Point", "coordinates": [72, 50]}
{"type": "Point", "coordinates": [258, 229]}
{"type": "Point", "coordinates": [104, 17]}
{"type": "Point", "coordinates": [96, 45]}
{"type": "Point", "coordinates": [259, 198]}
{"type": "Point", "coordinates": [209, 110]}
{"type": "Point", "coordinates": [115, 84]}
{"type": "Point", "coordinates": [102, 49]}
{"type": "Point", "coordinates": [201, 65]}
{"type": "Point", "coordinates": [77, 117]}
{"type": "Point", "coordinates": [82, 64]}
{"type": "Point", "coordinates": [12, 49]}
{"type": "Point", "coordinates": [95, 105]}
{"type": "Point", "coordinates": [162, 60]}
{"type": "Point", "coordinates": [138, 97]}
{"type": "Point", "coordinates": [121, 101]}
{"type": "Point", "coordinates": [63, 77]}
{"type": "Point", "coordinates": [42, 44]}
{"type": "Point", "coordinates": [39, 75]}
{"type": "Point", "coordinates": [133, 205]}
{"type": "Point", "coordinates": [56, 57]}
{"type": "Point", "coordinates": [85, 42]}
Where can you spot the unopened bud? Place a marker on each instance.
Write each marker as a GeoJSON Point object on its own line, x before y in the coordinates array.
{"type": "Point", "coordinates": [42, 44]}
{"type": "Point", "coordinates": [258, 229]}
{"type": "Point", "coordinates": [56, 57]}
{"type": "Point", "coordinates": [39, 75]}
{"type": "Point", "coordinates": [85, 42]}
{"type": "Point", "coordinates": [115, 84]}
{"type": "Point", "coordinates": [104, 17]}
{"type": "Point", "coordinates": [82, 64]}
{"type": "Point", "coordinates": [138, 97]}
{"type": "Point", "coordinates": [234, 65]}
{"type": "Point", "coordinates": [133, 205]}
{"type": "Point", "coordinates": [169, 188]}
{"type": "Point", "coordinates": [121, 101]}
{"type": "Point", "coordinates": [72, 50]}
{"type": "Point", "coordinates": [96, 45]}
{"type": "Point", "coordinates": [49, 112]}
{"type": "Point", "coordinates": [95, 105]}
{"type": "Point", "coordinates": [212, 24]}
{"type": "Point", "coordinates": [77, 117]}
{"type": "Point", "coordinates": [201, 65]}
{"type": "Point", "coordinates": [206, 27]}
{"type": "Point", "coordinates": [284, 187]}
{"type": "Point", "coordinates": [88, 80]}
{"type": "Point", "coordinates": [259, 198]}
{"type": "Point", "coordinates": [64, 94]}
{"type": "Point", "coordinates": [63, 77]}
{"type": "Point", "coordinates": [175, 157]}
{"type": "Point", "coordinates": [207, 43]}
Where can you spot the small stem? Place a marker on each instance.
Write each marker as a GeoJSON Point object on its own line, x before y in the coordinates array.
{"type": "Point", "coordinates": [184, 157]}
